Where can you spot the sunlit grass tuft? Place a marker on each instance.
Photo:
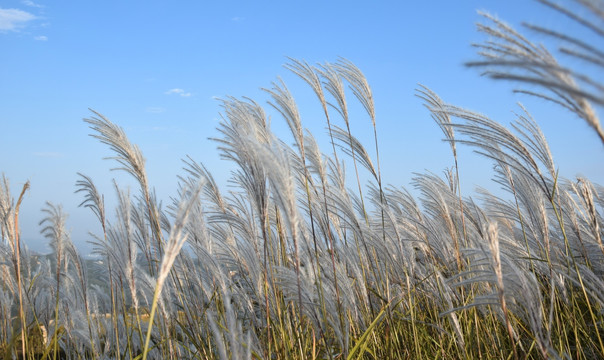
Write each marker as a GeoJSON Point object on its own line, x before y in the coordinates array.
{"type": "Point", "coordinates": [290, 263]}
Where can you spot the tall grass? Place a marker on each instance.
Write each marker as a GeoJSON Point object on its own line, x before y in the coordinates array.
{"type": "Point", "coordinates": [292, 264]}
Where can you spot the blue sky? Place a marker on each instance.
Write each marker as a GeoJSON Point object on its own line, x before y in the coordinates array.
{"type": "Point", "coordinates": [156, 69]}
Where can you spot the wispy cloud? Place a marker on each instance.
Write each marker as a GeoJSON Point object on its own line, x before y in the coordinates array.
{"type": "Point", "coordinates": [237, 18]}
{"type": "Point", "coordinates": [48, 154]}
{"type": "Point", "coordinates": [13, 19]}
{"type": "Point", "coordinates": [41, 38]}
{"type": "Point", "coordinates": [155, 110]}
{"type": "Point", "coordinates": [31, 4]}
{"type": "Point", "coordinates": [180, 92]}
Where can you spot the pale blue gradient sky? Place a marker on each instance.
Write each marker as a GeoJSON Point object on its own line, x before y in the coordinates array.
{"type": "Point", "coordinates": [155, 69]}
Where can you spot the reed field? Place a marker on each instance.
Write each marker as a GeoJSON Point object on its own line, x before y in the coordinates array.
{"type": "Point", "coordinates": [302, 257]}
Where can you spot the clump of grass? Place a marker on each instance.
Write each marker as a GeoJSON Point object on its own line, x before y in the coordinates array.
{"type": "Point", "coordinates": [292, 264]}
